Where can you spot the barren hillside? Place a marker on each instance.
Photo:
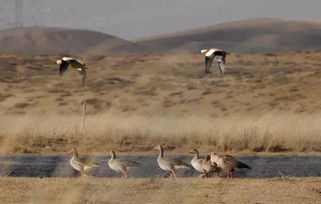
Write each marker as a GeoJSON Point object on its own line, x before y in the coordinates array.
{"type": "Point", "coordinates": [46, 41]}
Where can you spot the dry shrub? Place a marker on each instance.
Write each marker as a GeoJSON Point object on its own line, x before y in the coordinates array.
{"type": "Point", "coordinates": [21, 105]}
{"type": "Point", "coordinates": [125, 132]}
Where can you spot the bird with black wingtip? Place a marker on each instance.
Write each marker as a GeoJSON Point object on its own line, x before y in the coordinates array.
{"type": "Point", "coordinates": [214, 53]}
{"type": "Point", "coordinates": [65, 62]}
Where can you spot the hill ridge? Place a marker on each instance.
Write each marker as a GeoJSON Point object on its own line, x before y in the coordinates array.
{"type": "Point", "coordinates": [35, 40]}
{"type": "Point", "coordinates": [250, 35]}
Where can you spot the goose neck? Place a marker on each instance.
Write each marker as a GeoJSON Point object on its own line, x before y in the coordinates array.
{"type": "Point", "coordinates": [161, 152]}
{"type": "Point", "coordinates": [196, 155]}
{"type": "Point", "coordinates": [75, 154]}
{"type": "Point", "coordinates": [113, 155]}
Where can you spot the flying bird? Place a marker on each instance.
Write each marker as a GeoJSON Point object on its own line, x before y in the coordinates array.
{"type": "Point", "coordinates": [228, 163]}
{"type": "Point", "coordinates": [76, 64]}
{"type": "Point", "coordinates": [121, 165]}
{"type": "Point", "coordinates": [216, 53]}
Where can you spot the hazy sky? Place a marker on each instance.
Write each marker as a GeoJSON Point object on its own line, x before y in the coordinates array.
{"type": "Point", "coordinates": [131, 19]}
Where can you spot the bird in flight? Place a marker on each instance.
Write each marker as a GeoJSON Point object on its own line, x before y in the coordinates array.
{"type": "Point", "coordinates": [76, 64]}
{"type": "Point", "coordinates": [216, 53]}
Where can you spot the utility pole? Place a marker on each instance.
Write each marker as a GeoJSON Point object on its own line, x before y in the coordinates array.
{"type": "Point", "coordinates": [18, 13]}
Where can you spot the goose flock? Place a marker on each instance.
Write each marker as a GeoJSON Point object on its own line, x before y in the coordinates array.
{"type": "Point", "coordinates": [211, 54]}
{"type": "Point", "coordinates": [211, 164]}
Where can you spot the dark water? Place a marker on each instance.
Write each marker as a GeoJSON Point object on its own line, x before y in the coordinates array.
{"type": "Point", "coordinates": [58, 166]}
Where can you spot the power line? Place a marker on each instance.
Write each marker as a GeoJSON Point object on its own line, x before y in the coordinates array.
{"type": "Point", "coordinates": [18, 13]}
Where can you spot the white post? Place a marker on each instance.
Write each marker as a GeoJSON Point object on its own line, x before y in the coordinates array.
{"type": "Point", "coordinates": [83, 116]}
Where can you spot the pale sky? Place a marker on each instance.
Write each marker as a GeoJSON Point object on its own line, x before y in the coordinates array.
{"type": "Point", "coordinates": [132, 19]}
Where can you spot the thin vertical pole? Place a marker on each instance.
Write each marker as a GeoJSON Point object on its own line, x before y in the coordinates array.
{"type": "Point", "coordinates": [18, 13]}
{"type": "Point", "coordinates": [83, 116]}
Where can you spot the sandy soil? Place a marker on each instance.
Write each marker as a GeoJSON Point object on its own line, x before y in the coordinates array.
{"type": "Point", "coordinates": [192, 190]}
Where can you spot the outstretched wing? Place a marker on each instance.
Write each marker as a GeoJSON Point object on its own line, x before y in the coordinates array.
{"type": "Point", "coordinates": [221, 66]}
{"type": "Point", "coordinates": [83, 73]}
{"type": "Point", "coordinates": [76, 63]}
{"type": "Point", "coordinates": [63, 67]}
{"type": "Point", "coordinates": [221, 63]}
{"type": "Point", "coordinates": [208, 64]}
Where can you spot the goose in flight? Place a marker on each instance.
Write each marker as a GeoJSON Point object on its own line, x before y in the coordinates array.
{"type": "Point", "coordinates": [169, 164]}
{"type": "Point", "coordinates": [228, 163]}
{"type": "Point", "coordinates": [212, 53]}
{"type": "Point", "coordinates": [83, 165]}
{"type": "Point", "coordinates": [76, 64]}
{"type": "Point", "coordinates": [121, 165]}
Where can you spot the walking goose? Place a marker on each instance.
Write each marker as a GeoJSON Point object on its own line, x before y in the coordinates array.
{"type": "Point", "coordinates": [80, 66]}
{"type": "Point", "coordinates": [83, 165]}
{"type": "Point", "coordinates": [121, 165]}
{"type": "Point", "coordinates": [209, 167]}
{"type": "Point", "coordinates": [228, 163]}
{"type": "Point", "coordinates": [196, 162]}
{"type": "Point", "coordinates": [210, 54]}
{"type": "Point", "coordinates": [169, 164]}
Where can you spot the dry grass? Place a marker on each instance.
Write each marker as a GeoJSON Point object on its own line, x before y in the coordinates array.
{"type": "Point", "coordinates": [272, 132]}
{"type": "Point", "coordinates": [135, 102]}
{"type": "Point", "coordinates": [191, 190]}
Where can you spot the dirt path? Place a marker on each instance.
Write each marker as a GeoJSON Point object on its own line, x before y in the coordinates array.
{"type": "Point", "coordinates": [192, 190]}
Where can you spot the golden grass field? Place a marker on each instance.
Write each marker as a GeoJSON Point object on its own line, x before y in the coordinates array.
{"type": "Point", "coordinates": [263, 104]}
{"type": "Point", "coordinates": [190, 190]}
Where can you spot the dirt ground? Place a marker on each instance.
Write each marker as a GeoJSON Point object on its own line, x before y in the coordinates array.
{"type": "Point", "coordinates": [191, 190]}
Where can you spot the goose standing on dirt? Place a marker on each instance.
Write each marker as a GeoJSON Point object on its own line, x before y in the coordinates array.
{"type": "Point", "coordinates": [169, 164]}
{"type": "Point", "coordinates": [196, 162]}
{"type": "Point", "coordinates": [121, 165]}
{"type": "Point", "coordinates": [83, 165]}
{"type": "Point", "coordinates": [228, 163]}
{"type": "Point", "coordinates": [209, 167]}
{"type": "Point", "coordinates": [80, 66]}
{"type": "Point", "coordinates": [212, 53]}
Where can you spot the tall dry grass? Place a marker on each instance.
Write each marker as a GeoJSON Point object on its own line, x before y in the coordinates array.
{"type": "Point", "coordinates": [56, 133]}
